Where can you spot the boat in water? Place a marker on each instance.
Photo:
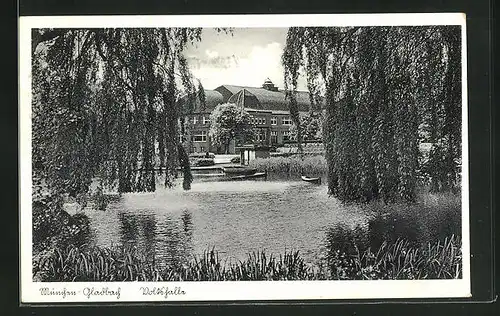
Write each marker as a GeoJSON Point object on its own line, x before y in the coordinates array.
{"type": "Point", "coordinates": [249, 177]}
{"type": "Point", "coordinates": [239, 170]}
{"type": "Point", "coordinates": [311, 180]}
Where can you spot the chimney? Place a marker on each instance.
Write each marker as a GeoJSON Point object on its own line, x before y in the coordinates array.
{"type": "Point", "coordinates": [269, 85]}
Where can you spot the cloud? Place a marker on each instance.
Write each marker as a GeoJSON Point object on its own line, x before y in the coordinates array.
{"type": "Point", "coordinates": [196, 63]}
{"type": "Point", "coordinates": [260, 63]}
{"type": "Point", "coordinates": [211, 54]}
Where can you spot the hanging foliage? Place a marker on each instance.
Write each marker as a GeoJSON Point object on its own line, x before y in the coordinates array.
{"type": "Point", "coordinates": [105, 104]}
{"type": "Point", "coordinates": [386, 91]}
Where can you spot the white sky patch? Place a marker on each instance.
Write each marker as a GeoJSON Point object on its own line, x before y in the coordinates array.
{"type": "Point", "coordinates": [261, 62]}
{"type": "Point", "coordinates": [211, 53]}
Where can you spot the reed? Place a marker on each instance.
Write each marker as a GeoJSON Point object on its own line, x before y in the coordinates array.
{"type": "Point", "coordinates": [261, 266]}
{"type": "Point", "coordinates": [293, 166]}
{"type": "Point", "coordinates": [398, 260]}
{"type": "Point", "coordinates": [96, 264]}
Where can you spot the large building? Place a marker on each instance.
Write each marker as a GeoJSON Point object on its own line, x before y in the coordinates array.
{"type": "Point", "coordinates": [267, 106]}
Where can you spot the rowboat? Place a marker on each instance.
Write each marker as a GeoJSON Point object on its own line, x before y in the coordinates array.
{"type": "Point", "coordinates": [250, 176]}
{"type": "Point", "coordinates": [239, 170]}
{"type": "Point", "coordinates": [311, 180]}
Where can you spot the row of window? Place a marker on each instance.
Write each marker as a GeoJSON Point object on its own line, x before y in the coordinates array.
{"type": "Point", "coordinates": [205, 120]}
{"type": "Point", "coordinates": [254, 120]}
{"type": "Point", "coordinates": [258, 120]}
{"type": "Point", "coordinates": [274, 120]}
{"type": "Point", "coordinates": [202, 149]}
{"type": "Point", "coordinates": [260, 135]}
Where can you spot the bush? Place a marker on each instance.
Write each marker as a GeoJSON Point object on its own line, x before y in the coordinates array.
{"type": "Point", "coordinates": [54, 227]}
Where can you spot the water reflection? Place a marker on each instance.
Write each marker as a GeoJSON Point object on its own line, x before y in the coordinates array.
{"type": "Point", "coordinates": [237, 218]}
{"type": "Point", "coordinates": [418, 224]}
{"type": "Point", "coordinates": [165, 240]}
{"type": "Point", "coordinates": [187, 223]}
{"type": "Point", "coordinates": [138, 230]}
{"type": "Point", "coordinates": [173, 242]}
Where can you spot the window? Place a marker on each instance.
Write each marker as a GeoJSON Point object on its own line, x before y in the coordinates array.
{"type": "Point", "coordinates": [286, 120]}
{"type": "Point", "coordinates": [274, 137]}
{"type": "Point", "coordinates": [286, 135]}
{"type": "Point", "coordinates": [195, 120]}
{"type": "Point", "coordinates": [258, 120]}
{"type": "Point", "coordinates": [274, 120]}
{"type": "Point", "coordinates": [206, 120]}
{"type": "Point", "coordinates": [260, 135]}
{"type": "Point", "coordinates": [200, 136]}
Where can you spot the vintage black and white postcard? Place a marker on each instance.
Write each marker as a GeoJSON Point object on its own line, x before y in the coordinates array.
{"type": "Point", "coordinates": [243, 157]}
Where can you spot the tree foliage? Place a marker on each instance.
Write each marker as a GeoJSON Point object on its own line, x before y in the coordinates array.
{"type": "Point", "coordinates": [105, 103]}
{"type": "Point", "coordinates": [229, 122]}
{"type": "Point", "coordinates": [310, 126]}
{"type": "Point", "coordinates": [384, 87]}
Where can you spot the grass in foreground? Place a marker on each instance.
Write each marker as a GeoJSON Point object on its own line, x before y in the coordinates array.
{"type": "Point", "coordinates": [441, 260]}
{"type": "Point", "coordinates": [390, 261]}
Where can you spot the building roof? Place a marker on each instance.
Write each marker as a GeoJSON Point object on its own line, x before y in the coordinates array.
{"type": "Point", "coordinates": [212, 99]}
{"type": "Point", "coordinates": [267, 99]}
{"type": "Point", "coordinates": [245, 99]}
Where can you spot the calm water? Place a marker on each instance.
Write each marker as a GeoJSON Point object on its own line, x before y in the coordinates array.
{"type": "Point", "coordinates": [240, 217]}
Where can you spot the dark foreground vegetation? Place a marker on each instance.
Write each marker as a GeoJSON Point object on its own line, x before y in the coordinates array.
{"type": "Point", "coordinates": [397, 260]}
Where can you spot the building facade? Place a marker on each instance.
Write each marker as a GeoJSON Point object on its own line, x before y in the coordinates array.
{"type": "Point", "coordinates": [267, 106]}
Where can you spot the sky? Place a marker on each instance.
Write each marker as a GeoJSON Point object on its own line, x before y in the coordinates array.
{"type": "Point", "coordinates": [246, 57]}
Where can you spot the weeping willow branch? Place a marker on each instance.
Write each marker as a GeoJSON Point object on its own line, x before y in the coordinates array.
{"type": "Point", "coordinates": [386, 87]}
{"type": "Point", "coordinates": [105, 100]}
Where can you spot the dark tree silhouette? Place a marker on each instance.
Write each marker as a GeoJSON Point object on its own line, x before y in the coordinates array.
{"type": "Point", "coordinates": [105, 103]}
{"type": "Point", "coordinates": [386, 89]}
